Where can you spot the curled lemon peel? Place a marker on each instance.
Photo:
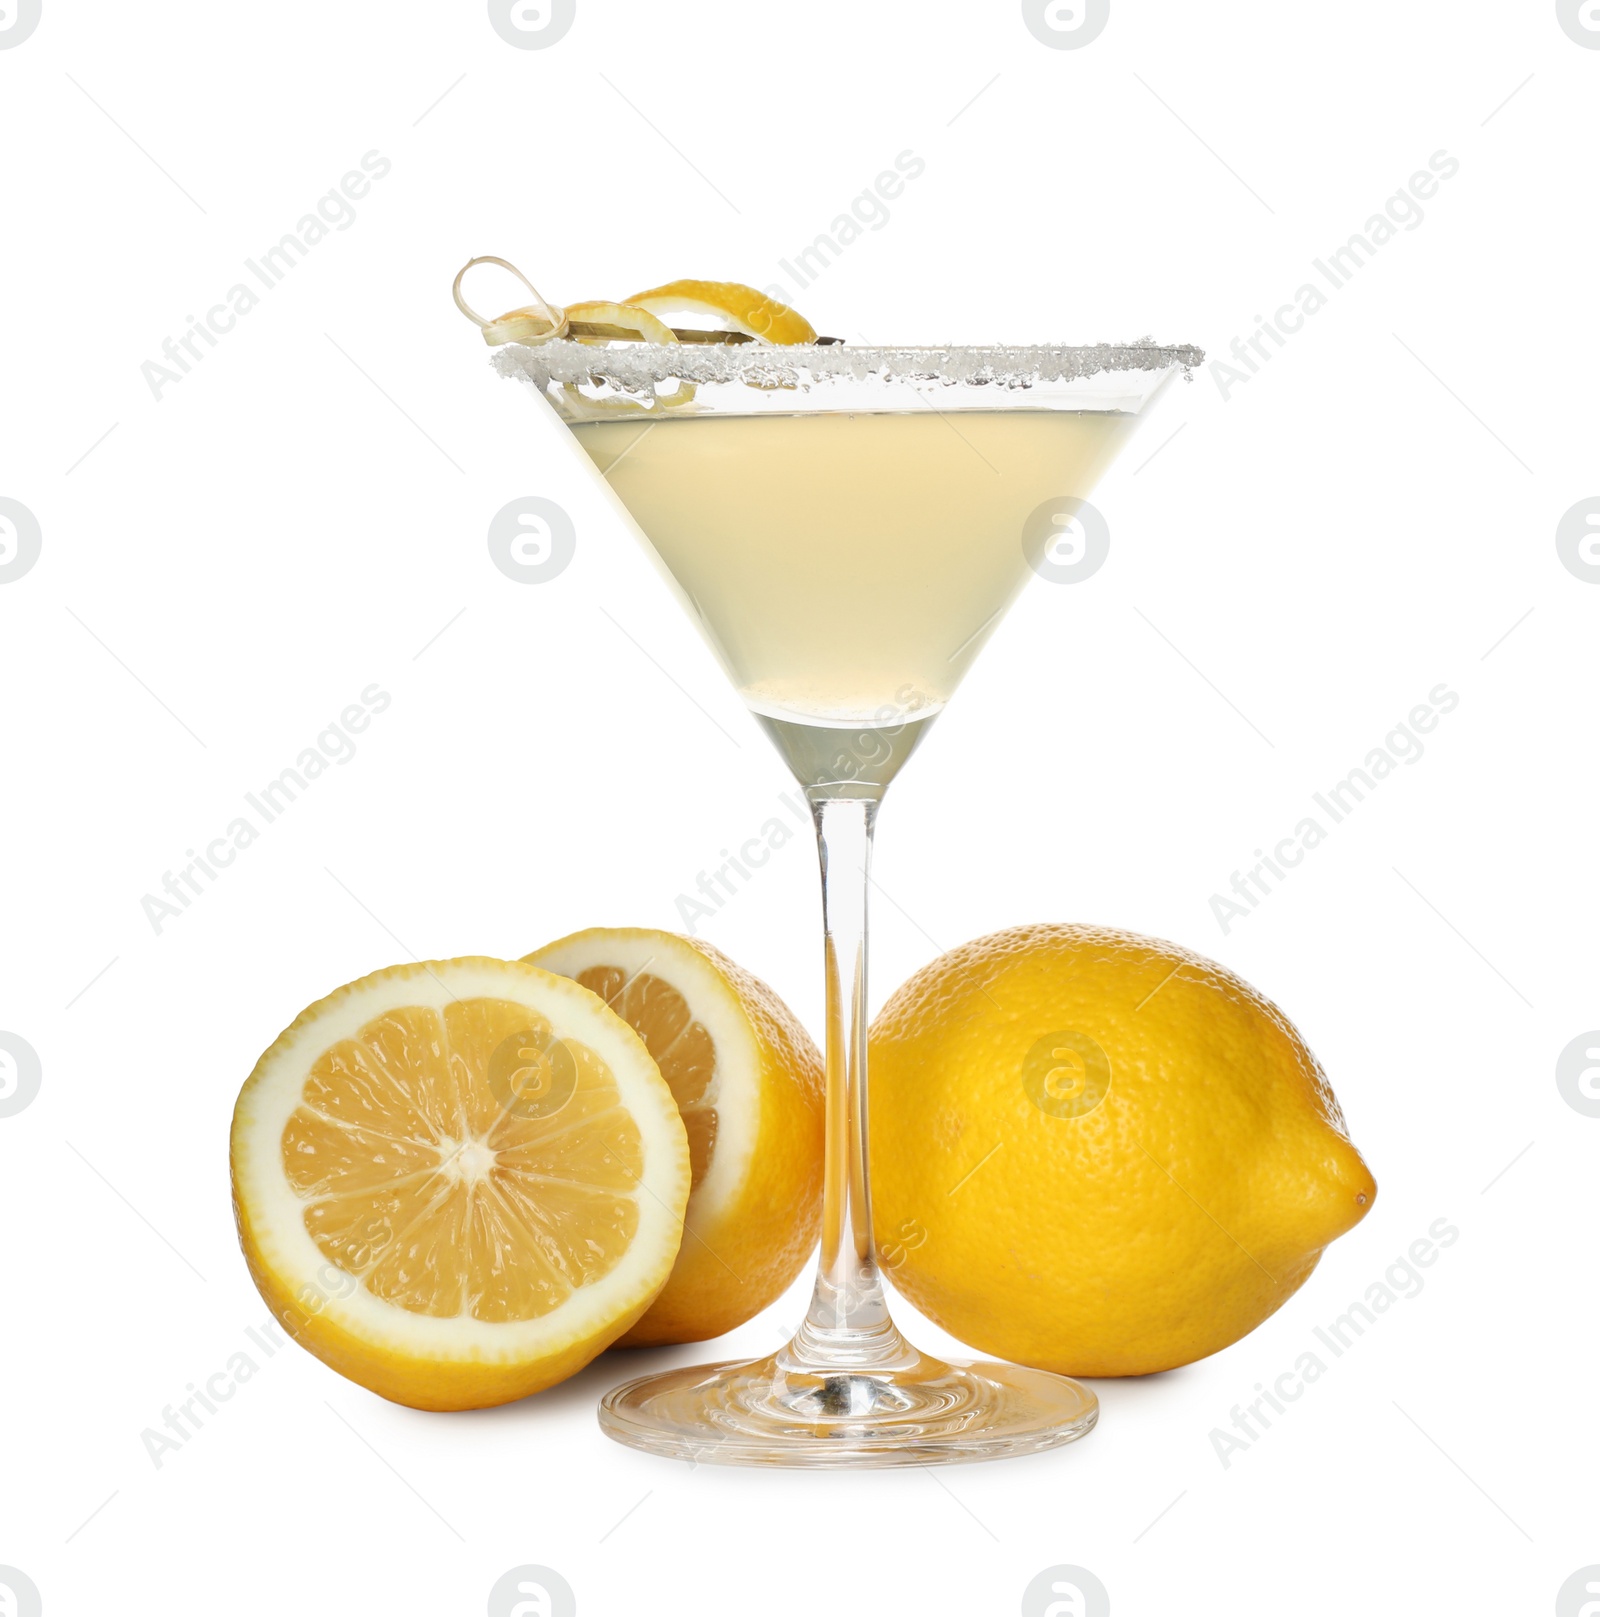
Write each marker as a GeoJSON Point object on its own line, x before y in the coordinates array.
{"type": "Point", "coordinates": [538, 322]}
{"type": "Point", "coordinates": [748, 311]}
{"type": "Point", "coordinates": [596, 323]}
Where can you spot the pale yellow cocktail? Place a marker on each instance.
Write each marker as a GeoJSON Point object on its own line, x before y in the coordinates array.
{"type": "Point", "coordinates": [849, 567]}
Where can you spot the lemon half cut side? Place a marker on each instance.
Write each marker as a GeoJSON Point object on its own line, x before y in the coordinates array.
{"type": "Point", "coordinates": [749, 1083]}
{"type": "Point", "coordinates": [457, 1182]}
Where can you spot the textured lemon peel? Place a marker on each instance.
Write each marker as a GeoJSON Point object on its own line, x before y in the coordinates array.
{"type": "Point", "coordinates": [1124, 1276]}
{"type": "Point", "coordinates": [751, 313]}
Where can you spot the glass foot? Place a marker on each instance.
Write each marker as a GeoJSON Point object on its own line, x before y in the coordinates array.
{"type": "Point", "coordinates": [921, 1412]}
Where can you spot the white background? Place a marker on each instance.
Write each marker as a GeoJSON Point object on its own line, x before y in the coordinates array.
{"type": "Point", "coordinates": [304, 514]}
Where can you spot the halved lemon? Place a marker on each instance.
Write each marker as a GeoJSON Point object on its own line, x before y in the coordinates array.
{"type": "Point", "coordinates": [742, 307]}
{"type": "Point", "coordinates": [457, 1182]}
{"type": "Point", "coordinates": [749, 1083]}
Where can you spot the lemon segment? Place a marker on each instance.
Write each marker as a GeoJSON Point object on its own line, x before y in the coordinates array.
{"type": "Point", "coordinates": [741, 307]}
{"type": "Point", "coordinates": [1100, 1154]}
{"type": "Point", "coordinates": [748, 1083]}
{"type": "Point", "coordinates": [458, 1182]}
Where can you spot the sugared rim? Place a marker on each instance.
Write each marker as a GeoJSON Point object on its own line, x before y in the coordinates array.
{"type": "Point", "coordinates": [636, 366]}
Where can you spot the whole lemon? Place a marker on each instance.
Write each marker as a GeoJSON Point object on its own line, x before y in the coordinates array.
{"type": "Point", "coordinates": [1099, 1153]}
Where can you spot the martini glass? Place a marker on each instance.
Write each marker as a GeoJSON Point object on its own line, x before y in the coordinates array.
{"type": "Point", "coordinates": [847, 526]}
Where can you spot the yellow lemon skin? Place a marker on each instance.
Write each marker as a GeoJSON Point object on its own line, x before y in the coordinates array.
{"type": "Point", "coordinates": [395, 1375]}
{"type": "Point", "coordinates": [763, 1237]}
{"type": "Point", "coordinates": [755, 1129]}
{"type": "Point", "coordinates": [746, 309]}
{"type": "Point", "coordinates": [1098, 1153]}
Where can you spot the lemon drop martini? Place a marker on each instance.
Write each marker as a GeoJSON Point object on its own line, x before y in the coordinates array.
{"type": "Point", "coordinates": [847, 524]}
{"type": "Point", "coordinates": [848, 566]}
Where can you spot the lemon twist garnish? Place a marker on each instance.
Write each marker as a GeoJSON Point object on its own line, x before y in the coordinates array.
{"type": "Point", "coordinates": [747, 315]}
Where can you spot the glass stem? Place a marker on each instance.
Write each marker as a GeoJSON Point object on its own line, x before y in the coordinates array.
{"type": "Point", "coordinates": [847, 1327]}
